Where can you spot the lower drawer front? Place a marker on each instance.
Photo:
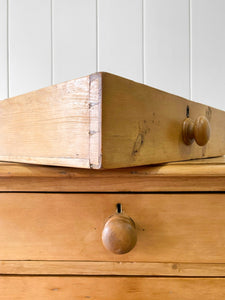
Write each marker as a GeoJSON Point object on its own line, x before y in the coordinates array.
{"type": "Point", "coordinates": [111, 288]}
{"type": "Point", "coordinates": [170, 227]}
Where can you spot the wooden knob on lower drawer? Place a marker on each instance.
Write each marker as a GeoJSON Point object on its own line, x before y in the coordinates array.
{"type": "Point", "coordinates": [119, 234]}
{"type": "Point", "coordinates": [198, 131]}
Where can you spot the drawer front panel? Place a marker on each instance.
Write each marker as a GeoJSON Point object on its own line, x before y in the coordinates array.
{"type": "Point", "coordinates": [111, 288]}
{"type": "Point", "coordinates": [170, 227]}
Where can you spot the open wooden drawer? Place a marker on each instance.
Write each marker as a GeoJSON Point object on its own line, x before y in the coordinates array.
{"type": "Point", "coordinates": [103, 121]}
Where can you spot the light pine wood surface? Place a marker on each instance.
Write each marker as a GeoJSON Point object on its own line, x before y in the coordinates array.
{"type": "Point", "coordinates": [193, 175]}
{"type": "Point", "coordinates": [107, 268]}
{"type": "Point", "coordinates": [142, 125]}
{"type": "Point", "coordinates": [170, 227]}
{"type": "Point", "coordinates": [51, 246]}
{"type": "Point", "coordinates": [49, 126]}
{"type": "Point", "coordinates": [131, 288]}
{"type": "Point", "coordinates": [103, 121]}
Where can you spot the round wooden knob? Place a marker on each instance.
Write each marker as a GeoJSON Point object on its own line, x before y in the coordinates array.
{"type": "Point", "coordinates": [119, 234]}
{"type": "Point", "coordinates": [198, 131]}
{"type": "Point", "coordinates": [201, 130]}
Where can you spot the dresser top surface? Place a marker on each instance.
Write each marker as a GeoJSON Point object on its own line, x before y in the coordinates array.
{"type": "Point", "coordinates": [193, 175]}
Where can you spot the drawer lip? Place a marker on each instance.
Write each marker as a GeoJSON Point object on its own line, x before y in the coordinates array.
{"type": "Point", "coordinates": [195, 175]}
{"type": "Point", "coordinates": [134, 184]}
{"type": "Point", "coordinates": [186, 228]}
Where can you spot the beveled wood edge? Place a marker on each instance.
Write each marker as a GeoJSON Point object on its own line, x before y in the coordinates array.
{"type": "Point", "coordinates": [54, 161]}
{"type": "Point", "coordinates": [111, 185]}
{"type": "Point", "coordinates": [206, 175]}
{"type": "Point", "coordinates": [102, 268]}
{"type": "Point", "coordinates": [203, 167]}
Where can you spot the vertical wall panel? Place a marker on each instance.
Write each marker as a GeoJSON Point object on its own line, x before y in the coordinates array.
{"type": "Point", "coordinates": [120, 37]}
{"type": "Point", "coordinates": [166, 33]}
{"type": "Point", "coordinates": [208, 52]}
{"type": "Point", "coordinates": [29, 45]}
{"type": "Point", "coordinates": [3, 50]}
{"type": "Point", "coordinates": [74, 39]}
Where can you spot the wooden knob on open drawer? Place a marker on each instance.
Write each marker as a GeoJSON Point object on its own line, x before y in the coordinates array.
{"type": "Point", "coordinates": [119, 234]}
{"type": "Point", "coordinates": [198, 131]}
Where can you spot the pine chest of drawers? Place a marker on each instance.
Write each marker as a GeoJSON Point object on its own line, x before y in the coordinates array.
{"type": "Point", "coordinates": [52, 218]}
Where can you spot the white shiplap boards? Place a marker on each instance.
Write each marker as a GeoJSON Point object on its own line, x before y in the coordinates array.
{"type": "Point", "coordinates": [166, 42]}
{"type": "Point", "coordinates": [120, 38]}
{"type": "Point", "coordinates": [3, 50]}
{"type": "Point", "coordinates": [177, 45]}
{"type": "Point", "coordinates": [74, 38]}
{"type": "Point", "coordinates": [208, 52]}
{"type": "Point", "coordinates": [29, 45]}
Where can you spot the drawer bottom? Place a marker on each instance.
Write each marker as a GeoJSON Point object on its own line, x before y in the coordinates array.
{"type": "Point", "coordinates": [110, 288]}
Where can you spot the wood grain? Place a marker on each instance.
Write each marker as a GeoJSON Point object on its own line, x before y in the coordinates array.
{"type": "Point", "coordinates": [103, 121]}
{"type": "Point", "coordinates": [142, 125]}
{"type": "Point", "coordinates": [170, 227]}
{"type": "Point", "coordinates": [107, 268]}
{"type": "Point", "coordinates": [110, 288]}
{"type": "Point", "coordinates": [193, 175]}
{"type": "Point", "coordinates": [48, 126]}
{"type": "Point", "coordinates": [119, 234]}
{"type": "Point", "coordinates": [95, 121]}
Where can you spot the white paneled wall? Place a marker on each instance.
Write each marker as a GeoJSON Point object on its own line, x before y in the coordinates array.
{"type": "Point", "coordinates": [166, 36]}
{"type": "Point", "coordinates": [29, 29]}
{"type": "Point", "coordinates": [208, 52]}
{"type": "Point", "coordinates": [3, 49]}
{"type": "Point", "coordinates": [74, 39]}
{"type": "Point", "coordinates": [120, 44]}
{"type": "Point", "coordinates": [177, 45]}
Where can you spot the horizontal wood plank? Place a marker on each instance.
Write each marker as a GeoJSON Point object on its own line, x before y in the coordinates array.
{"type": "Point", "coordinates": [170, 227]}
{"type": "Point", "coordinates": [194, 175]}
{"type": "Point", "coordinates": [110, 288]}
{"type": "Point", "coordinates": [106, 268]}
